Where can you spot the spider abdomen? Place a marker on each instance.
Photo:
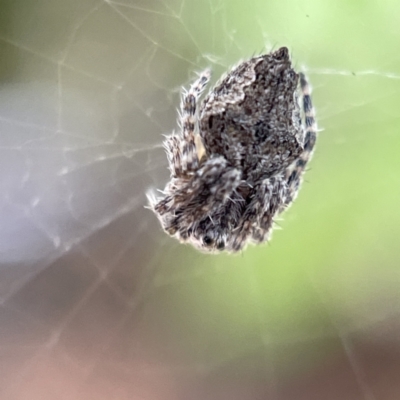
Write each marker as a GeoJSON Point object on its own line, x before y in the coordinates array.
{"type": "Point", "coordinates": [250, 117]}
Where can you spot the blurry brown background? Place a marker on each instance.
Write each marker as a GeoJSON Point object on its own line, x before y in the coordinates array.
{"type": "Point", "coordinates": [97, 303]}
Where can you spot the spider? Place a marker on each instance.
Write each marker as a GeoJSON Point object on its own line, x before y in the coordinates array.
{"type": "Point", "coordinates": [238, 159]}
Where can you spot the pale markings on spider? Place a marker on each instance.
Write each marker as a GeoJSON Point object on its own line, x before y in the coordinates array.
{"type": "Point", "coordinates": [238, 159]}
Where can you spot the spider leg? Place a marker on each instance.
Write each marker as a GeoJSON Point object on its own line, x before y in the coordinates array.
{"type": "Point", "coordinates": [173, 146]}
{"type": "Point", "coordinates": [183, 153]}
{"type": "Point", "coordinates": [278, 194]}
{"type": "Point", "coordinates": [296, 170]}
{"type": "Point", "coordinates": [256, 222]}
{"type": "Point", "coordinates": [208, 189]}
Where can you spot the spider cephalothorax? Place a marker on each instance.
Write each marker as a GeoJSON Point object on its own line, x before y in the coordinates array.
{"type": "Point", "coordinates": [238, 160]}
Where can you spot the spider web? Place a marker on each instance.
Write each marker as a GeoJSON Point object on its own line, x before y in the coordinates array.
{"type": "Point", "coordinates": [96, 302]}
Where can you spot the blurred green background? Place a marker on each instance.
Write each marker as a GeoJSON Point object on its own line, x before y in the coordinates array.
{"type": "Point", "coordinates": [98, 303]}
